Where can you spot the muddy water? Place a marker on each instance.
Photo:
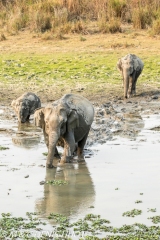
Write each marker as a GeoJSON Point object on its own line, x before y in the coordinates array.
{"type": "Point", "coordinates": [119, 173]}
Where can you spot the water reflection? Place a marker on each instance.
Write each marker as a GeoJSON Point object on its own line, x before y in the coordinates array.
{"type": "Point", "coordinates": [75, 197]}
{"type": "Point", "coordinates": [27, 135]}
{"type": "Point", "coordinates": [28, 127]}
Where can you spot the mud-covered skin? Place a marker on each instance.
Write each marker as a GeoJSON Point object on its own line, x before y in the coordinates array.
{"type": "Point", "coordinates": [68, 119]}
{"type": "Point", "coordinates": [25, 105]}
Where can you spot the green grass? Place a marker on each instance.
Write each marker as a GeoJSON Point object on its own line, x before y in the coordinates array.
{"type": "Point", "coordinates": [3, 148]}
{"type": "Point", "coordinates": [61, 67]}
{"type": "Point", "coordinates": [94, 72]}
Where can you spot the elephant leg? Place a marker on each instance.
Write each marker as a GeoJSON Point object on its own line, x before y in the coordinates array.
{"type": "Point", "coordinates": [130, 86]}
{"type": "Point", "coordinates": [135, 81]}
{"type": "Point", "coordinates": [46, 138]}
{"type": "Point", "coordinates": [122, 82]}
{"type": "Point", "coordinates": [69, 147]}
{"type": "Point", "coordinates": [81, 145]}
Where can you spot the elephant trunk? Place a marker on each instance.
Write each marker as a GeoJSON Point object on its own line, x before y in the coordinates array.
{"type": "Point", "coordinates": [53, 139]}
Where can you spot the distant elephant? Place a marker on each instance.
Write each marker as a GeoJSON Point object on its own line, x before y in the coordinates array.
{"type": "Point", "coordinates": [130, 67]}
{"type": "Point", "coordinates": [25, 105]}
{"type": "Point", "coordinates": [67, 120]}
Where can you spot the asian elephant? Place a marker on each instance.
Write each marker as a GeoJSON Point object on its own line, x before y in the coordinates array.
{"type": "Point", "coordinates": [130, 67]}
{"type": "Point", "coordinates": [25, 105]}
{"type": "Point", "coordinates": [68, 121]}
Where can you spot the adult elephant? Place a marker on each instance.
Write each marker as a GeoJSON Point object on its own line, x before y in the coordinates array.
{"type": "Point", "coordinates": [68, 121]}
{"type": "Point", "coordinates": [130, 67]}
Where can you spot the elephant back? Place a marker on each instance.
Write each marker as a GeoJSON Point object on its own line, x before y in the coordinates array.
{"type": "Point", "coordinates": [82, 105]}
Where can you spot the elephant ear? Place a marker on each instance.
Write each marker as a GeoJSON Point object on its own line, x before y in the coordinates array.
{"type": "Point", "coordinates": [39, 117]}
{"type": "Point", "coordinates": [136, 65]}
{"type": "Point", "coordinates": [73, 120]}
{"type": "Point", "coordinates": [119, 64]}
{"type": "Point", "coordinates": [61, 112]}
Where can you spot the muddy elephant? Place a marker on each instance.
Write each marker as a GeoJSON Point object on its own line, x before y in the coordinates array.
{"type": "Point", "coordinates": [72, 198]}
{"type": "Point", "coordinates": [68, 121]}
{"type": "Point", "coordinates": [130, 67]}
{"type": "Point", "coordinates": [25, 105]}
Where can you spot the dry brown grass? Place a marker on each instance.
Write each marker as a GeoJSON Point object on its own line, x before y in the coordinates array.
{"type": "Point", "coordinates": [75, 15]}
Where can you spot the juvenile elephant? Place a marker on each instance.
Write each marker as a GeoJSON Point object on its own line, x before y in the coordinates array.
{"type": "Point", "coordinates": [67, 120]}
{"type": "Point", "coordinates": [130, 67]}
{"type": "Point", "coordinates": [25, 105]}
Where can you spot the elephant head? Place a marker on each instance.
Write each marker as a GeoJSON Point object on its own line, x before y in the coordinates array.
{"type": "Point", "coordinates": [55, 121]}
{"type": "Point", "coordinates": [24, 111]}
{"type": "Point", "coordinates": [130, 67]}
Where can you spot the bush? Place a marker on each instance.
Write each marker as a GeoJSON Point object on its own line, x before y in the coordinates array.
{"type": "Point", "coordinates": [141, 18]}
{"type": "Point", "coordinates": [70, 15]}
{"type": "Point", "coordinates": [156, 27]}
{"type": "Point", "coordinates": [112, 26]}
{"type": "Point", "coordinates": [117, 8]}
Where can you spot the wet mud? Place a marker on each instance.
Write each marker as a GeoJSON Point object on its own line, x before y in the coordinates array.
{"type": "Point", "coordinates": [120, 172]}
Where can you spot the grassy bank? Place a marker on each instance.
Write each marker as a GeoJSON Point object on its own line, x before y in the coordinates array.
{"type": "Point", "coordinates": [53, 68]}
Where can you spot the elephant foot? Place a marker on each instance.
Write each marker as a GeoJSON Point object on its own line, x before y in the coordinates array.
{"type": "Point", "coordinates": [67, 159]}
{"type": "Point", "coordinates": [81, 158]}
{"type": "Point", "coordinates": [50, 166]}
{"type": "Point", "coordinates": [133, 93]}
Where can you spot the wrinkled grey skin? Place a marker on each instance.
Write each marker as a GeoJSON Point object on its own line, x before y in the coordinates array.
{"type": "Point", "coordinates": [130, 67]}
{"type": "Point", "coordinates": [68, 121]}
{"type": "Point", "coordinates": [25, 105]}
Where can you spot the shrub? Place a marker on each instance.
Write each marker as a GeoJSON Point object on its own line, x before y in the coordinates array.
{"type": "Point", "coordinates": [117, 8]}
{"type": "Point", "coordinates": [141, 18]}
{"type": "Point", "coordinates": [2, 37]}
{"type": "Point", "coordinates": [78, 27]}
{"type": "Point", "coordinates": [112, 26]}
{"type": "Point", "coordinates": [156, 27]}
{"type": "Point", "coordinates": [17, 21]}
{"type": "Point", "coordinates": [40, 22]}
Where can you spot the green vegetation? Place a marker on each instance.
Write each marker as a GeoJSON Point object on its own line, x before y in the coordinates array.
{"type": "Point", "coordinates": [138, 201]}
{"type": "Point", "coordinates": [155, 219]}
{"type": "Point", "coordinates": [132, 213]}
{"type": "Point", "coordinates": [3, 148]}
{"type": "Point", "coordinates": [152, 210]}
{"type": "Point", "coordinates": [92, 73]}
{"type": "Point", "coordinates": [73, 16]}
{"type": "Point", "coordinates": [57, 182]}
{"type": "Point", "coordinates": [45, 153]}
{"type": "Point", "coordinates": [91, 227]}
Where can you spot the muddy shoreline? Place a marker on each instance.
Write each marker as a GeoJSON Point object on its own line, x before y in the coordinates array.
{"type": "Point", "coordinates": [116, 116]}
{"type": "Point", "coordinates": [117, 176]}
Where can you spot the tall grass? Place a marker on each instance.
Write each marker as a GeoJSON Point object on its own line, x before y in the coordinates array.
{"type": "Point", "coordinates": [73, 15]}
